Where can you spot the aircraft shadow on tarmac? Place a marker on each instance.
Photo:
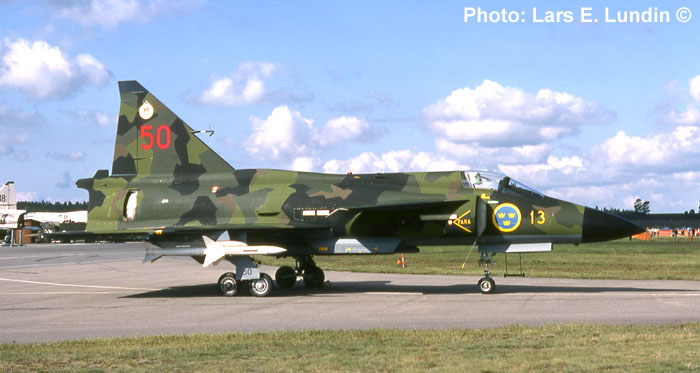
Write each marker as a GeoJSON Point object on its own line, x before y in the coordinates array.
{"type": "Point", "coordinates": [339, 288]}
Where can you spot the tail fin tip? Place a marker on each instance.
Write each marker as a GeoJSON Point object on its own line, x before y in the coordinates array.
{"type": "Point", "coordinates": [130, 86]}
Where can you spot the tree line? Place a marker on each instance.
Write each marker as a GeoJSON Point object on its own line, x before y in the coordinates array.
{"type": "Point", "coordinates": [46, 206]}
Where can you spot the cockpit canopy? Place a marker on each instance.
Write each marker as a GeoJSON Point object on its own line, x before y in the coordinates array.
{"type": "Point", "coordinates": [499, 182]}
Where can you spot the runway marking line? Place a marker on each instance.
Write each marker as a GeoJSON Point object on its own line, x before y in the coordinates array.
{"type": "Point", "coordinates": [42, 256]}
{"type": "Point", "coordinates": [390, 293]}
{"type": "Point", "coordinates": [367, 293]}
{"type": "Point", "coordinates": [74, 285]}
{"type": "Point", "coordinates": [65, 292]}
{"type": "Point", "coordinates": [21, 257]}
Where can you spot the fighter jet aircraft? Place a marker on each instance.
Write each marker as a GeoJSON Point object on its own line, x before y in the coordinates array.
{"type": "Point", "coordinates": [169, 189]}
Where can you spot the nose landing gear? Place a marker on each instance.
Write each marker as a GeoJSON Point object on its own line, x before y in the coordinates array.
{"type": "Point", "coordinates": [486, 284]}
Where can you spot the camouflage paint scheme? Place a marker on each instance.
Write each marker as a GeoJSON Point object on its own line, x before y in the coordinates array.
{"type": "Point", "coordinates": [183, 188]}
{"type": "Point", "coordinates": [168, 187]}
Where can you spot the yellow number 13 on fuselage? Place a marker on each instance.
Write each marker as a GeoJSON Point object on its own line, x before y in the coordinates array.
{"type": "Point", "coordinates": [540, 219]}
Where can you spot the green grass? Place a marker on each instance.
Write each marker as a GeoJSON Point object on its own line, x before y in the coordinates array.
{"type": "Point", "coordinates": [569, 347]}
{"type": "Point", "coordinates": [661, 259]}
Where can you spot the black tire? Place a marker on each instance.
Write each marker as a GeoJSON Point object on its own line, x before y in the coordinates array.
{"type": "Point", "coordinates": [261, 287]}
{"type": "Point", "coordinates": [486, 285]}
{"type": "Point", "coordinates": [228, 285]}
{"type": "Point", "coordinates": [314, 277]}
{"type": "Point", "coordinates": [286, 277]}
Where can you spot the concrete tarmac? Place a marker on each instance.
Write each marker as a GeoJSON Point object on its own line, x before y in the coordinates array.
{"type": "Point", "coordinates": [61, 292]}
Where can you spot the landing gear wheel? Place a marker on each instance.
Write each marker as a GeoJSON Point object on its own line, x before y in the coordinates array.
{"type": "Point", "coordinates": [314, 277]}
{"type": "Point", "coordinates": [262, 286]}
{"type": "Point", "coordinates": [487, 285]}
{"type": "Point", "coordinates": [228, 284]}
{"type": "Point", "coordinates": [286, 277]}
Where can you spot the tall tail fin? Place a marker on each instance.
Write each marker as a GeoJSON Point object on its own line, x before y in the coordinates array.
{"type": "Point", "coordinates": [7, 196]}
{"type": "Point", "coordinates": [152, 140]}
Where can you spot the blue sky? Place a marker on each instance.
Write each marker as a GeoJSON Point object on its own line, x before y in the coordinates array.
{"type": "Point", "coordinates": [596, 113]}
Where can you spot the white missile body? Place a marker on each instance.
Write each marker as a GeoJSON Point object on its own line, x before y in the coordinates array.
{"type": "Point", "coordinates": [216, 250]}
{"type": "Point", "coordinates": [213, 252]}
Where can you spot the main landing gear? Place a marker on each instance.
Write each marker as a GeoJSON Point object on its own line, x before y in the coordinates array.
{"type": "Point", "coordinates": [247, 276]}
{"type": "Point", "coordinates": [230, 286]}
{"type": "Point", "coordinates": [313, 276]}
{"type": "Point", "coordinates": [486, 283]}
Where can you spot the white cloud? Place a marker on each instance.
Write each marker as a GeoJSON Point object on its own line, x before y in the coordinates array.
{"type": "Point", "coordinates": [304, 164]}
{"type": "Point", "coordinates": [424, 161]}
{"type": "Point", "coordinates": [42, 71]}
{"type": "Point", "coordinates": [106, 13]}
{"type": "Point", "coordinates": [243, 87]}
{"type": "Point", "coordinates": [678, 149]}
{"type": "Point", "coordinates": [616, 160]}
{"type": "Point", "coordinates": [66, 181]}
{"type": "Point", "coordinates": [284, 133]}
{"type": "Point", "coordinates": [95, 118]}
{"type": "Point", "coordinates": [110, 13]}
{"type": "Point", "coordinates": [92, 69]}
{"type": "Point", "coordinates": [694, 85]}
{"type": "Point", "coordinates": [688, 176]}
{"type": "Point", "coordinates": [660, 167]}
{"type": "Point", "coordinates": [393, 161]}
{"type": "Point", "coordinates": [26, 196]}
{"type": "Point", "coordinates": [609, 195]}
{"type": "Point", "coordinates": [490, 157]}
{"type": "Point", "coordinates": [579, 180]}
{"type": "Point", "coordinates": [665, 193]}
{"type": "Point", "coordinates": [495, 116]}
{"type": "Point", "coordinates": [669, 110]}
{"type": "Point", "coordinates": [14, 130]}
{"type": "Point", "coordinates": [691, 115]}
{"type": "Point", "coordinates": [554, 171]}
{"type": "Point", "coordinates": [66, 156]}
{"type": "Point", "coordinates": [340, 130]}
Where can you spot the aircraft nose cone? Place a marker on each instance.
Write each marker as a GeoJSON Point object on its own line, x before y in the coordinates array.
{"type": "Point", "coordinates": [601, 226]}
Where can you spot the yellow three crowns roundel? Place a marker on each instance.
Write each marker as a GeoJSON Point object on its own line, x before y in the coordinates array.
{"type": "Point", "coordinates": [506, 217]}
